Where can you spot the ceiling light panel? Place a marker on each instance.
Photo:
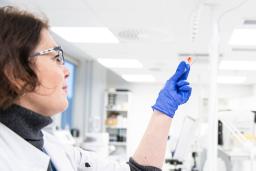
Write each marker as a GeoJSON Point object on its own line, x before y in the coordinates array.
{"type": "Point", "coordinates": [231, 79]}
{"type": "Point", "coordinates": [86, 34]}
{"type": "Point", "coordinates": [120, 63]}
{"type": "Point", "coordinates": [238, 65]}
{"type": "Point", "coordinates": [139, 78]}
{"type": "Point", "coordinates": [243, 37]}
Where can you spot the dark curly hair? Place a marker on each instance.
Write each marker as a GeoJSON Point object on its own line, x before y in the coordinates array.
{"type": "Point", "coordinates": [19, 36]}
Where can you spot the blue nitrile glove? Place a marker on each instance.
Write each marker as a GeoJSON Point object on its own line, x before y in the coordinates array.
{"type": "Point", "coordinates": [175, 92]}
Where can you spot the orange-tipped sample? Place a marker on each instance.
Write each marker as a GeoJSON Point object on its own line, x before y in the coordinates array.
{"type": "Point", "coordinates": [189, 60]}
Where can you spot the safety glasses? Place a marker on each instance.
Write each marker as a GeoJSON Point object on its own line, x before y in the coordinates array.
{"type": "Point", "coordinates": [60, 57]}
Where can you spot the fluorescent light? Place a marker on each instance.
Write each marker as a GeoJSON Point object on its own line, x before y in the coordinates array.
{"type": "Point", "coordinates": [231, 79]}
{"type": "Point", "coordinates": [120, 63]}
{"type": "Point", "coordinates": [86, 34]}
{"type": "Point", "coordinates": [238, 65]}
{"type": "Point", "coordinates": [243, 37]}
{"type": "Point", "coordinates": [138, 78]}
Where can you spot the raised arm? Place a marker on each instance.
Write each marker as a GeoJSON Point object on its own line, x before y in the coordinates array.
{"type": "Point", "coordinates": [151, 150]}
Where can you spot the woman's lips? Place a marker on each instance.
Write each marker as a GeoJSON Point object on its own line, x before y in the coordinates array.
{"type": "Point", "coordinates": [65, 88]}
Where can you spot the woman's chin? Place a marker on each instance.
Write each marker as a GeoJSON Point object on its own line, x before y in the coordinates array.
{"type": "Point", "coordinates": [62, 107]}
{"type": "Point", "coordinates": [65, 105]}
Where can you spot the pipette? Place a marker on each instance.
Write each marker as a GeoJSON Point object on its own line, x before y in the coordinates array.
{"type": "Point", "coordinates": [189, 60]}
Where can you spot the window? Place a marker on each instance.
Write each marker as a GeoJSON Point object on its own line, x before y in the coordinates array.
{"type": "Point", "coordinates": [66, 118]}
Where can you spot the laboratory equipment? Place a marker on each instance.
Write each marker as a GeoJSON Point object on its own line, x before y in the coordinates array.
{"type": "Point", "coordinates": [246, 152]}
{"type": "Point", "coordinates": [185, 139]}
{"type": "Point", "coordinates": [194, 167]}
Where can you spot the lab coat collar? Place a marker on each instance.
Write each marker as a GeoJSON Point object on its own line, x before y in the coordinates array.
{"type": "Point", "coordinates": [22, 153]}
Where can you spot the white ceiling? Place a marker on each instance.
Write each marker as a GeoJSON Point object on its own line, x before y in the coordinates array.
{"type": "Point", "coordinates": [165, 24]}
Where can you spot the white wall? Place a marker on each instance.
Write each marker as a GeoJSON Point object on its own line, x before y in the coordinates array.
{"type": "Point", "coordinates": [139, 113]}
{"type": "Point", "coordinates": [245, 102]}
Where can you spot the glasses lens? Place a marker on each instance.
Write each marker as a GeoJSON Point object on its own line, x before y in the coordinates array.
{"type": "Point", "coordinates": [60, 51]}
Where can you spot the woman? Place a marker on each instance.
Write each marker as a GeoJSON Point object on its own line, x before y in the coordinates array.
{"type": "Point", "coordinates": [33, 88]}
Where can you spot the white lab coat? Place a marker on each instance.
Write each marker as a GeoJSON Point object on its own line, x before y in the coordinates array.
{"type": "Point", "coordinates": [18, 154]}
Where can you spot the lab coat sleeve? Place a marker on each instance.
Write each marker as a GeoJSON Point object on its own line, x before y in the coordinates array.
{"type": "Point", "coordinates": [89, 161]}
{"type": "Point", "coordinates": [82, 160]}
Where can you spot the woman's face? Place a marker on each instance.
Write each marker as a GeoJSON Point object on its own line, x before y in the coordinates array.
{"type": "Point", "coordinates": [50, 97]}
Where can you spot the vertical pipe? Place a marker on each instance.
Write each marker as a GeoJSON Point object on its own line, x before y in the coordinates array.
{"type": "Point", "coordinates": [212, 155]}
{"type": "Point", "coordinates": [88, 96]}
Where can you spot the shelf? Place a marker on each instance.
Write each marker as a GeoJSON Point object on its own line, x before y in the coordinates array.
{"type": "Point", "coordinates": [118, 143]}
{"type": "Point", "coordinates": [116, 110]}
{"type": "Point", "coordinates": [119, 92]}
{"type": "Point", "coordinates": [116, 127]}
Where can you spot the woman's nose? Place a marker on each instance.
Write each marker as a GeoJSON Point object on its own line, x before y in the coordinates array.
{"type": "Point", "coordinates": [66, 72]}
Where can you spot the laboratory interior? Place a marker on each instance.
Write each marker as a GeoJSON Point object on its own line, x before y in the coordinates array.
{"type": "Point", "coordinates": [120, 53]}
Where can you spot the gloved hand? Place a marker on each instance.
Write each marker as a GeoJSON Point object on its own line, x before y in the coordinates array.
{"type": "Point", "coordinates": [175, 92]}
